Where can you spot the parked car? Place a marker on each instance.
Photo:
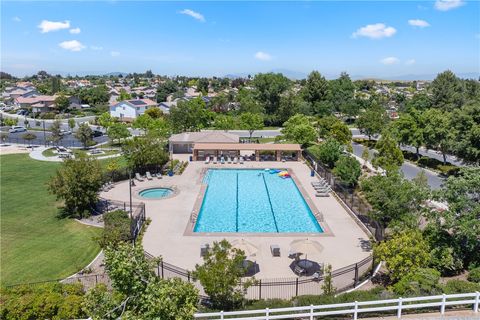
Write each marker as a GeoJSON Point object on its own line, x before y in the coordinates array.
{"type": "Point", "coordinates": [14, 129]}
{"type": "Point", "coordinates": [22, 112]}
{"type": "Point", "coordinates": [65, 132]}
{"type": "Point", "coordinates": [96, 133]}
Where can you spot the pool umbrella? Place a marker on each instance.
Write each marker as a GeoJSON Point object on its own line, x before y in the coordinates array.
{"type": "Point", "coordinates": [306, 247]}
{"type": "Point", "coordinates": [245, 246]}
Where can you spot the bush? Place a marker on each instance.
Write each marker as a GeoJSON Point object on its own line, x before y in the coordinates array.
{"type": "Point", "coordinates": [47, 115]}
{"type": "Point", "coordinates": [117, 228]}
{"type": "Point", "coordinates": [474, 275]}
{"type": "Point", "coordinates": [372, 294]}
{"type": "Point", "coordinates": [48, 301]}
{"type": "Point", "coordinates": [348, 169]}
{"type": "Point", "coordinates": [270, 303]}
{"type": "Point", "coordinates": [423, 281]}
{"type": "Point", "coordinates": [460, 286]}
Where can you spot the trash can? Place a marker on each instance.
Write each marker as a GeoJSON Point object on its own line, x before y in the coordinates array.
{"type": "Point", "coordinates": [312, 173]}
{"type": "Point", "coordinates": [191, 158]}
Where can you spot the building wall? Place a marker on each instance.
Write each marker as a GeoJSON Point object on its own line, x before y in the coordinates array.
{"type": "Point", "coordinates": [123, 110]}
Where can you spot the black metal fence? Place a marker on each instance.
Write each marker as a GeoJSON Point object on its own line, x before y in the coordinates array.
{"type": "Point", "coordinates": [348, 196]}
{"type": "Point", "coordinates": [67, 143]}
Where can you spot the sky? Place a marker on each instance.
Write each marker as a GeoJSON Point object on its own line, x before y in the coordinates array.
{"type": "Point", "coordinates": [363, 38]}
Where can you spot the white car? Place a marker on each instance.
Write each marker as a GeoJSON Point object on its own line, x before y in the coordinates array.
{"type": "Point", "coordinates": [17, 129]}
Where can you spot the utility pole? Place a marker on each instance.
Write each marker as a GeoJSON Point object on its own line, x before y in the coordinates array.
{"type": "Point", "coordinates": [44, 134]}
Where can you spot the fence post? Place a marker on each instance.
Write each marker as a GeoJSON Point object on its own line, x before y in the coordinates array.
{"type": "Point", "coordinates": [158, 269]}
{"type": "Point", "coordinates": [96, 279]}
{"type": "Point", "coordinates": [188, 276]}
{"type": "Point", "coordinates": [260, 289]}
{"type": "Point", "coordinates": [296, 287]}
{"type": "Point", "coordinates": [442, 307]}
{"type": "Point", "coordinates": [162, 269]}
{"type": "Point", "coordinates": [221, 314]}
{"type": "Point", "coordinates": [373, 266]}
{"type": "Point", "coordinates": [355, 311]}
{"type": "Point", "coordinates": [355, 281]}
{"type": "Point", "coordinates": [267, 314]}
{"type": "Point", "coordinates": [311, 312]}
{"type": "Point", "coordinates": [477, 301]}
{"type": "Point", "coordinates": [399, 310]}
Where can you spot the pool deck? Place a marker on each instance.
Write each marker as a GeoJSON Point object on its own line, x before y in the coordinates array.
{"type": "Point", "coordinates": [344, 243]}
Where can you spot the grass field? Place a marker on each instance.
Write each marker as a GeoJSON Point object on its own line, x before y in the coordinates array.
{"type": "Point", "coordinates": [35, 244]}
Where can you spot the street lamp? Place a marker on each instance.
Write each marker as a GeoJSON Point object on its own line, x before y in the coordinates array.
{"type": "Point", "coordinates": [44, 134]}
{"type": "Point", "coordinates": [130, 184]}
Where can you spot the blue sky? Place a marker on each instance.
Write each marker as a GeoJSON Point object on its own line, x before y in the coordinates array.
{"type": "Point", "coordinates": [382, 39]}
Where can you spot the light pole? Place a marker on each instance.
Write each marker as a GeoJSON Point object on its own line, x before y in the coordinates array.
{"type": "Point", "coordinates": [130, 183]}
{"type": "Point", "coordinates": [44, 134]}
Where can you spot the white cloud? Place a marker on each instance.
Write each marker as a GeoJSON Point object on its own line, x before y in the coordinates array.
{"type": "Point", "coordinates": [410, 62]}
{"type": "Point", "coordinates": [263, 56]}
{"type": "Point", "coordinates": [445, 5]}
{"type": "Point", "coordinates": [193, 14]}
{"type": "Point", "coordinates": [390, 60]}
{"type": "Point", "coordinates": [16, 19]}
{"type": "Point", "coordinates": [418, 23]}
{"type": "Point", "coordinates": [114, 53]}
{"type": "Point", "coordinates": [72, 45]}
{"type": "Point", "coordinates": [48, 26]}
{"type": "Point", "coordinates": [375, 31]}
{"type": "Point", "coordinates": [75, 31]}
{"type": "Point", "coordinates": [96, 48]}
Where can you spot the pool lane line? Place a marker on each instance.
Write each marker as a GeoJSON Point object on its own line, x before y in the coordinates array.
{"type": "Point", "coordinates": [236, 216]}
{"type": "Point", "coordinates": [270, 202]}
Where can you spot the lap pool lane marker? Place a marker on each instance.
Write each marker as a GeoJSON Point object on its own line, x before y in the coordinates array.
{"type": "Point", "coordinates": [270, 202]}
{"type": "Point", "coordinates": [236, 216]}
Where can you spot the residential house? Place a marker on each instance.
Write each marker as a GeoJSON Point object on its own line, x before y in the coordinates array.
{"type": "Point", "coordinates": [129, 110]}
{"type": "Point", "coordinates": [37, 104]}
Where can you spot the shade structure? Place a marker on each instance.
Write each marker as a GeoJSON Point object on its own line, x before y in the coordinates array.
{"type": "Point", "coordinates": [306, 246]}
{"type": "Point", "coordinates": [245, 246]}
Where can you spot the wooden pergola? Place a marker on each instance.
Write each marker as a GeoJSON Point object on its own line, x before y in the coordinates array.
{"type": "Point", "coordinates": [202, 150]}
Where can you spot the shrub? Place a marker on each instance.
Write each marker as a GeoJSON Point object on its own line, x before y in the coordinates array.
{"type": "Point", "coordinates": [423, 281]}
{"type": "Point", "coordinates": [348, 169]}
{"type": "Point", "coordinates": [328, 152]}
{"type": "Point", "coordinates": [474, 275]}
{"type": "Point", "coordinates": [48, 301]}
{"type": "Point", "coordinates": [117, 228]}
{"type": "Point", "coordinates": [269, 303]}
{"type": "Point", "coordinates": [460, 286]}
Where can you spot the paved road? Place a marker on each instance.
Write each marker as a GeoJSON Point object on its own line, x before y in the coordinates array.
{"type": "Point", "coordinates": [423, 151]}
{"type": "Point", "coordinates": [271, 133]}
{"type": "Point", "coordinates": [409, 170]}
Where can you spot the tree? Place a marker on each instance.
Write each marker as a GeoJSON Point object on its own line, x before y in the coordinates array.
{"type": "Point", "coordinates": [438, 131]}
{"type": "Point", "coordinates": [189, 115]}
{"type": "Point", "coordinates": [388, 156]}
{"type": "Point", "coordinates": [118, 131]}
{"type": "Point", "coordinates": [340, 132]}
{"type": "Point", "coordinates": [124, 95]}
{"type": "Point", "coordinates": [299, 129]}
{"type": "Point", "coordinates": [466, 122]}
{"type": "Point", "coordinates": [327, 286]}
{"type": "Point", "coordinates": [248, 102]}
{"type": "Point", "coordinates": [404, 253]}
{"type": "Point", "coordinates": [408, 130]}
{"type": "Point", "coordinates": [448, 91]}
{"type": "Point", "coordinates": [251, 122]}
{"type": "Point", "coordinates": [422, 281]}
{"type": "Point", "coordinates": [224, 122]}
{"type": "Point", "coordinates": [77, 182]}
{"type": "Point", "coordinates": [328, 152]}
{"type": "Point", "coordinates": [342, 94]}
{"type": "Point", "coordinates": [165, 89]}
{"type": "Point", "coordinates": [62, 103]}
{"type": "Point", "coordinates": [56, 132]}
{"type": "Point", "coordinates": [154, 112]}
{"type": "Point", "coordinates": [71, 123]}
{"type": "Point", "coordinates": [269, 88]}
{"type": "Point", "coordinates": [105, 120]}
{"type": "Point", "coordinates": [142, 152]}
{"type": "Point", "coordinates": [316, 91]}
{"type": "Point", "coordinates": [29, 137]}
{"type": "Point", "coordinates": [202, 85]}
{"type": "Point", "coordinates": [290, 104]}
{"type": "Point", "coordinates": [365, 156]}
{"type": "Point", "coordinates": [372, 121]}
{"type": "Point", "coordinates": [395, 201]}
{"type": "Point", "coordinates": [138, 293]}
{"type": "Point", "coordinates": [84, 134]}
{"type": "Point", "coordinates": [348, 169]}
{"type": "Point", "coordinates": [220, 275]}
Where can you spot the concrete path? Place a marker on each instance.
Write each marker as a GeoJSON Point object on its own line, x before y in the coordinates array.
{"type": "Point", "coordinates": [37, 154]}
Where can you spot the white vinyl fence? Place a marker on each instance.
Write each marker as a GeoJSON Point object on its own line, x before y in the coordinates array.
{"type": "Point", "coordinates": [353, 308]}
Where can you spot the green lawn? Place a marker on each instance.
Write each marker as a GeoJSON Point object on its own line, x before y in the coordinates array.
{"type": "Point", "coordinates": [35, 244]}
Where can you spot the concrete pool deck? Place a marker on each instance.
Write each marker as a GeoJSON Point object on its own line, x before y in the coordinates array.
{"type": "Point", "coordinates": [345, 243]}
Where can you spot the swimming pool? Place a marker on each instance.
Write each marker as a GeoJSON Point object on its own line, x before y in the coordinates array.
{"type": "Point", "coordinates": [156, 193]}
{"type": "Point", "coordinates": [245, 200]}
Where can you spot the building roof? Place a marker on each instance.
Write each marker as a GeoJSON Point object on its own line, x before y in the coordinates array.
{"type": "Point", "coordinates": [31, 100]}
{"type": "Point", "coordinates": [139, 103]}
{"type": "Point", "coordinates": [205, 137]}
{"type": "Point", "coordinates": [247, 146]}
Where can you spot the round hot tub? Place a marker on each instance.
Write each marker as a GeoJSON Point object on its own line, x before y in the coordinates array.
{"type": "Point", "coordinates": [156, 193]}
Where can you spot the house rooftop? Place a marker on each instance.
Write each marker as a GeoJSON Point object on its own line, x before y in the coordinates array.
{"type": "Point", "coordinates": [205, 137]}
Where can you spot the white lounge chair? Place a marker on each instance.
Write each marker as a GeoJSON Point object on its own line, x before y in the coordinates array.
{"type": "Point", "coordinates": [241, 160]}
{"type": "Point", "coordinates": [235, 160]}
{"type": "Point", "coordinates": [222, 160]}
{"type": "Point", "coordinates": [138, 177]}
{"type": "Point", "coordinates": [215, 160]}
{"type": "Point", "coordinates": [149, 176]}
{"type": "Point", "coordinates": [322, 194]}
{"type": "Point", "coordinates": [159, 175]}
{"type": "Point", "coordinates": [204, 249]}
{"type": "Point", "coordinates": [275, 249]}
{"type": "Point", "coordinates": [229, 159]}
{"type": "Point", "coordinates": [207, 160]}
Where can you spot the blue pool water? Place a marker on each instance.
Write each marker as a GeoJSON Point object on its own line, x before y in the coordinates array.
{"type": "Point", "coordinates": [253, 201]}
{"type": "Point", "coordinates": [156, 193]}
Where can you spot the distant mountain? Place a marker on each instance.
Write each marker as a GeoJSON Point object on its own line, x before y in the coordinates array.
{"type": "Point", "coordinates": [412, 77]}
{"type": "Point", "coordinates": [291, 74]}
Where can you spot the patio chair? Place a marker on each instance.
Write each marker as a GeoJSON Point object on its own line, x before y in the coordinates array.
{"type": "Point", "coordinates": [159, 175]}
{"type": "Point", "coordinates": [322, 194]}
{"type": "Point", "coordinates": [138, 177]}
{"type": "Point", "coordinates": [222, 160]}
{"type": "Point", "coordinates": [207, 160]}
{"type": "Point", "coordinates": [275, 249]}
{"type": "Point", "coordinates": [229, 159]}
{"type": "Point", "coordinates": [299, 270]}
{"type": "Point", "coordinates": [322, 188]}
{"type": "Point", "coordinates": [235, 160]}
{"type": "Point", "coordinates": [241, 160]}
{"type": "Point", "coordinates": [215, 160]}
{"type": "Point", "coordinates": [149, 176]}
{"type": "Point", "coordinates": [204, 249]}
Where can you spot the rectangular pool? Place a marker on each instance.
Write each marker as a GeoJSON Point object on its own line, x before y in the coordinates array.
{"type": "Point", "coordinates": [245, 200]}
